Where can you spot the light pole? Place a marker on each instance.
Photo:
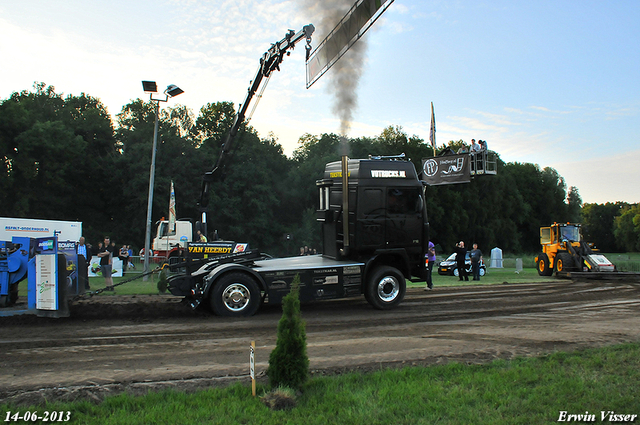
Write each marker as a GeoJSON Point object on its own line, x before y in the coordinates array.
{"type": "Point", "coordinates": [171, 91]}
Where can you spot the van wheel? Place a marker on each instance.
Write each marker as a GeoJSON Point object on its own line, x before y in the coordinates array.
{"type": "Point", "coordinates": [386, 288]}
{"type": "Point", "coordinates": [235, 294]}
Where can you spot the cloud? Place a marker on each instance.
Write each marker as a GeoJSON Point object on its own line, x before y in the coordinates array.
{"type": "Point", "coordinates": [609, 178]}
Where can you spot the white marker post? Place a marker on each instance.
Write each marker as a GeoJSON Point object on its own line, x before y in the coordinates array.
{"type": "Point", "coordinates": [252, 367]}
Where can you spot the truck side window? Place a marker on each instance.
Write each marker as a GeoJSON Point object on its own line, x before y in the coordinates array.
{"type": "Point", "coordinates": [372, 203]}
{"type": "Point", "coordinates": [403, 201]}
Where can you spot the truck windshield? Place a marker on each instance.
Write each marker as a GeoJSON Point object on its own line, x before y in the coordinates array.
{"type": "Point", "coordinates": [403, 201]}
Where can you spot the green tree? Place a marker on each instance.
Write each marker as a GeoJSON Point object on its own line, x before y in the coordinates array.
{"type": "Point", "coordinates": [574, 205]}
{"type": "Point", "coordinates": [55, 152]}
{"type": "Point", "coordinates": [598, 224]}
{"type": "Point", "coordinates": [288, 362]}
{"type": "Point", "coordinates": [627, 228]}
{"type": "Point", "coordinates": [394, 140]}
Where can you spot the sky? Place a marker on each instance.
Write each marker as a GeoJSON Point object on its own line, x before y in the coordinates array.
{"type": "Point", "coordinates": [555, 83]}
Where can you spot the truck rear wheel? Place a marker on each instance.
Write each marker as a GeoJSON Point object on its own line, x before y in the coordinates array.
{"type": "Point", "coordinates": [386, 287]}
{"type": "Point", "coordinates": [235, 294]}
{"type": "Point", "coordinates": [543, 265]}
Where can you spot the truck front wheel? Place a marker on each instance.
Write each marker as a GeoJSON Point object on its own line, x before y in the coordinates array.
{"type": "Point", "coordinates": [386, 287]}
{"type": "Point", "coordinates": [235, 294]}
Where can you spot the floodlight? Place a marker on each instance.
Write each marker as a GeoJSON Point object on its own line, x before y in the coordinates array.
{"type": "Point", "coordinates": [173, 90]}
{"type": "Point", "coordinates": [150, 86]}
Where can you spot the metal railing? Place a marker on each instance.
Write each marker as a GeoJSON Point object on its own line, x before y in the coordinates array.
{"type": "Point", "coordinates": [483, 162]}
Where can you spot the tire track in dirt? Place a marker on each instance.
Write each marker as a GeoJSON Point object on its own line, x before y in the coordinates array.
{"type": "Point", "coordinates": [122, 342]}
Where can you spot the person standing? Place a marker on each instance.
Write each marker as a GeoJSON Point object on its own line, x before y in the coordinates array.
{"type": "Point", "coordinates": [130, 254]}
{"type": "Point", "coordinates": [461, 260]}
{"type": "Point", "coordinates": [84, 259]}
{"type": "Point", "coordinates": [431, 260]}
{"type": "Point", "coordinates": [106, 256]}
{"type": "Point", "coordinates": [124, 257]}
{"type": "Point", "coordinates": [474, 146]}
{"type": "Point", "coordinates": [476, 256]}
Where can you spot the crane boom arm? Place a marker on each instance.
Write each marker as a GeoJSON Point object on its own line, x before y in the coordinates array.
{"type": "Point", "coordinates": [269, 62]}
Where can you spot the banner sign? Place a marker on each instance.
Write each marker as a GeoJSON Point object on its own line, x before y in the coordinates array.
{"type": "Point", "coordinates": [448, 169]}
{"type": "Point", "coordinates": [68, 248]}
{"type": "Point", "coordinates": [46, 286]}
{"type": "Point", "coordinates": [116, 267]}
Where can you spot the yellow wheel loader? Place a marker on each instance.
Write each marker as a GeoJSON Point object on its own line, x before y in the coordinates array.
{"type": "Point", "coordinates": [565, 253]}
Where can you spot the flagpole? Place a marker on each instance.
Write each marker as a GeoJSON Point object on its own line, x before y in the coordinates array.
{"type": "Point", "coordinates": [432, 134]}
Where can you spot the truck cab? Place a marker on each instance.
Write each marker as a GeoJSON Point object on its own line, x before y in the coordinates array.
{"type": "Point", "coordinates": [167, 243]}
{"type": "Point", "coordinates": [385, 210]}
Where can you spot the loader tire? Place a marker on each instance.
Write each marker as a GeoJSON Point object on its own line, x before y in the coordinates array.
{"type": "Point", "coordinates": [543, 265]}
{"type": "Point", "coordinates": [235, 295]}
{"type": "Point", "coordinates": [386, 288]}
{"type": "Point", "coordinates": [564, 263]}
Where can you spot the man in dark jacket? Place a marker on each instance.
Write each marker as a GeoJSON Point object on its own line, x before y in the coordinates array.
{"type": "Point", "coordinates": [461, 257]}
{"type": "Point", "coordinates": [476, 256]}
{"type": "Point", "coordinates": [84, 259]}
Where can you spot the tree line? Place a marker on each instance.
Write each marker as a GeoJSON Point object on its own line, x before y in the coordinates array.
{"type": "Point", "coordinates": [63, 158]}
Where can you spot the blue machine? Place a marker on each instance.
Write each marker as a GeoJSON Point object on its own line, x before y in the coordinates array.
{"type": "Point", "coordinates": [14, 264]}
{"type": "Point", "coordinates": [50, 275]}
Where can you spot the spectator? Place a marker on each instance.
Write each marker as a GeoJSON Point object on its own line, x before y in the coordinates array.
{"type": "Point", "coordinates": [476, 257]}
{"type": "Point", "coordinates": [106, 262]}
{"type": "Point", "coordinates": [474, 146]}
{"type": "Point", "coordinates": [431, 259]}
{"type": "Point", "coordinates": [84, 258]}
{"type": "Point", "coordinates": [461, 260]}
{"type": "Point", "coordinates": [130, 252]}
{"type": "Point", "coordinates": [124, 257]}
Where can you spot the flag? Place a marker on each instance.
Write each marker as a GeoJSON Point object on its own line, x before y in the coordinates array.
{"type": "Point", "coordinates": [432, 133]}
{"type": "Point", "coordinates": [172, 210]}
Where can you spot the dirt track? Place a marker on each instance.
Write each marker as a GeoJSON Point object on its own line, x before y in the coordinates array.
{"type": "Point", "coordinates": [118, 343]}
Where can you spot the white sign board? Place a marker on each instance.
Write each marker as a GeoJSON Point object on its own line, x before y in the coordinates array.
{"type": "Point", "coordinates": [252, 362]}
{"type": "Point", "coordinates": [116, 267]}
{"type": "Point", "coordinates": [34, 228]}
{"type": "Point", "coordinates": [46, 287]}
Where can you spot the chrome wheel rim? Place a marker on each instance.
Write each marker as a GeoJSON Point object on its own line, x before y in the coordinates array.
{"type": "Point", "coordinates": [388, 289]}
{"type": "Point", "coordinates": [236, 297]}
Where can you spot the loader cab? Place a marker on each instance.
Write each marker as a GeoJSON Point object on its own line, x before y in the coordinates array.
{"type": "Point", "coordinates": [557, 234]}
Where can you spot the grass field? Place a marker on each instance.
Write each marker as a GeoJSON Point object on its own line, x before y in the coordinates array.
{"type": "Point", "coordinates": [493, 276]}
{"type": "Point", "coordinates": [624, 262]}
{"type": "Point", "coordinates": [519, 391]}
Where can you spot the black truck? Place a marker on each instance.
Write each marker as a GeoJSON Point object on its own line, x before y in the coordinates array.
{"type": "Point", "coordinates": [374, 234]}
{"type": "Point", "coordinates": [374, 231]}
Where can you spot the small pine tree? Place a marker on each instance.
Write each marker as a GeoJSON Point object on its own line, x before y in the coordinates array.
{"type": "Point", "coordinates": [288, 362]}
{"type": "Point", "coordinates": [162, 282]}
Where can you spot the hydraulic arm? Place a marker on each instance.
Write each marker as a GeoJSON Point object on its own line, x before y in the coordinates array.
{"type": "Point", "coordinates": [269, 62]}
